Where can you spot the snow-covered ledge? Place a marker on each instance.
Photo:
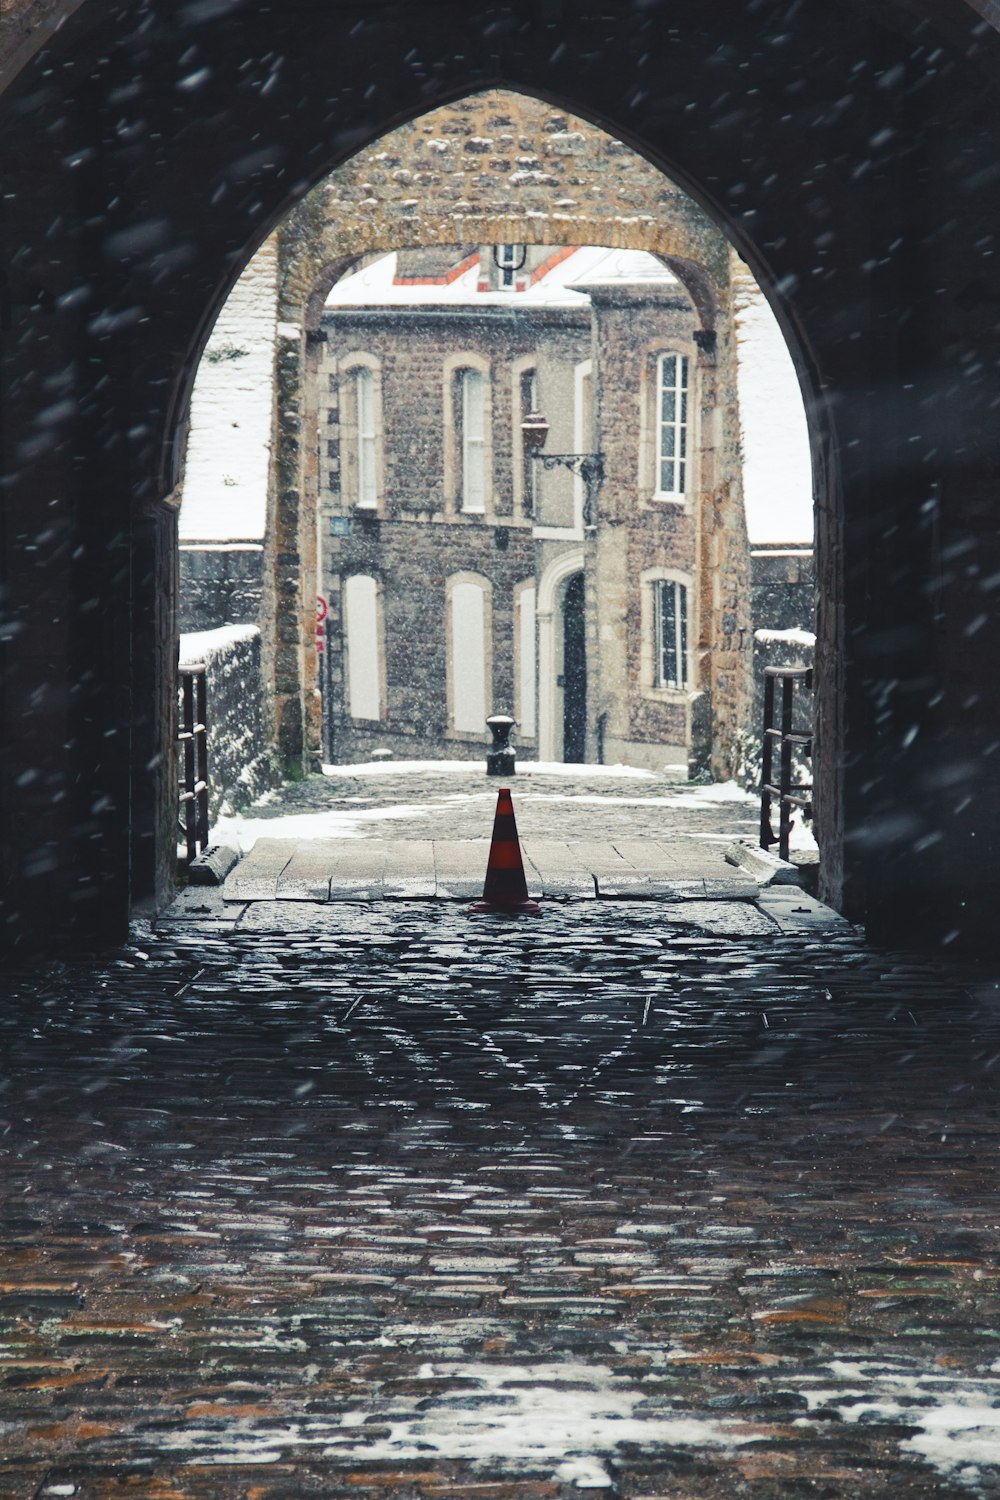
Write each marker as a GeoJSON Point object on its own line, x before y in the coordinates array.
{"type": "Point", "coordinates": [240, 765]}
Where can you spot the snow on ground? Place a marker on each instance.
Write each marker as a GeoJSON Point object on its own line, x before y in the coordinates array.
{"type": "Point", "coordinates": [469, 767]}
{"type": "Point", "coordinates": [240, 831]}
{"type": "Point", "coordinates": [955, 1420]}
{"type": "Point", "coordinates": [446, 786]}
{"type": "Point", "coordinates": [569, 1415]}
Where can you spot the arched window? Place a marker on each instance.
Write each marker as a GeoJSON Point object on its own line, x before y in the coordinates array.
{"type": "Point", "coordinates": [470, 686]}
{"type": "Point", "coordinates": [472, 439]}
{"type": "Point", "coordinates": [361, 424]}
{"type": "Point", "coordinates": [468, 444]}
{"type": "Point", "coordinates": [671, 426]}
{"type": "Point", "coordinates": [667, 631]}
{"type": "Point", "coordinates": [671, 634]}
{"type": "Point", "coordinates": [364, 385]}
{"type": "Point", "coordinates": [363, 643]}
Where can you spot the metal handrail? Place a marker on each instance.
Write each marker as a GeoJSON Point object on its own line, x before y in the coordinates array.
{"type": "Point", "coordinates": [193, 738]}
{"type": "Point", "coordinates": [787, 739]}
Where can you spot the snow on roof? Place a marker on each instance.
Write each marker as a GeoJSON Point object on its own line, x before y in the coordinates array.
{"type": "Point", "coordinates": [631, 267]}
{"type": "Point", "coordinates": [590, 265]}
{"type": "Point", "coordinates": [777, 468]}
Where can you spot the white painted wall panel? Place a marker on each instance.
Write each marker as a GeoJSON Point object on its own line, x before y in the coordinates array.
{"type": "Point", "coordinates": [527, 670]}
{"type": "Point", "coordinates": [361, 617]}
{"type": "Point", "coordinates": [468, 656]}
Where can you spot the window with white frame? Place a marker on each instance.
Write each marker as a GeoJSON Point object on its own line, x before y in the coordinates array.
{"type": "Point", "coordinates": [509, 260]}
{"type": "Point", "coordinates": [472, 423]}
{"type": "Point", "coordinates": [364, 405]}
{"type": "Point", "coordinates": [670, 634]}
{"type": "Point", "coordinates": [671, 425]}
{"type": "Point", "coordinates": [529, 466]}
{"type": "Point", "coordinates": [360, 418]}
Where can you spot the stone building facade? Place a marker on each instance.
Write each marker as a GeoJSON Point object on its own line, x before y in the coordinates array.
{"type": "Point", "coordinates": [491, 169]}
{"type": "Point", "coordinates": [461, 577]}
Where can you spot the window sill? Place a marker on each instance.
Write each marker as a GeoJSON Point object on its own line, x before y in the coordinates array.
{"type": "Point", "coordinates": [469, 736]}
{"type": "Point", "coordinates": [667, 694]}
{"type": "Point", "coordinates": [557, 533]}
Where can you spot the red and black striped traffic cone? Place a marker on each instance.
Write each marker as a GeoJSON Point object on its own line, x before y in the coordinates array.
{"type": "Point", "coordinates": [506, 889]}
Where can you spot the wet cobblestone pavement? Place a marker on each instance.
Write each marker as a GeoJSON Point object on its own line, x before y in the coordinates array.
{"type": "Point", "coordinates": [394, 1201]}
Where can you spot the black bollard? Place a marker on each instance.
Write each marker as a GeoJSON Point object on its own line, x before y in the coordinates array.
{"type": "Point", "coordinates": [500, 755]}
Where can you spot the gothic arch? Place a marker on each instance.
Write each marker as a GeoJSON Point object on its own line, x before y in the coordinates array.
{"type": "Point", "coordinates": [536, 175]}
{"type": "Point", "coordinates": [124, 228]}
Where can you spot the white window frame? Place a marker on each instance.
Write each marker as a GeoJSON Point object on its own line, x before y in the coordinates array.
{"type": "Point", "coordinates": [526, 658]}
{"type": "Point", "coordinates": [678, 428]}
{"type": "Point", "coordinates": [452, 397]}
{"type": "Point", "coordinates": [524, 379]}
{"type": "Point", "coordinates": [507, 259]}
{"type": "Point", "coordinates": [582, 441]}
{"type": "Point", "coordinates": [472, 387]}
{"type": "Point", "coordinates": [679, 646]}
{"type": "Point", "coordinates": [360, 379]}
{"type": "Point", "coordinates": [583, 432]}
{"type": "Point", "coordinates": [655, 682]}
{"type": "Point", "coordinates": [366, 437]}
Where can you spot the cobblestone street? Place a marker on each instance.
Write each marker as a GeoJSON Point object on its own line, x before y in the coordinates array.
{"type": "Point", "coordinates": [345, 1200]}
{"type": "Point", "coordinates": [456, 801]}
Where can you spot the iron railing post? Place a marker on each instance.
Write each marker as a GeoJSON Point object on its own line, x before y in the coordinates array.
{"type": "Point", "coordinates": [785, 780]}
{"type": "Point", "coordinates": [193, 737]}
{"type": "Point", "coordinates": [788, 739]}
{"type": "Point", "coordinates": [767, 762]}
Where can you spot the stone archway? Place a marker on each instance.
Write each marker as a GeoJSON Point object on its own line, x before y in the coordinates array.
{"type": "Point", "coordinates": [500, 167]}
{"type": "Point", "coordinates": [124, 228]}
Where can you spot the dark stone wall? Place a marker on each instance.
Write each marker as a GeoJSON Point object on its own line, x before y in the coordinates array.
{"type": "Point", "coordinates": [783, 588]}
{"type": "Point", "coordinates": [220, 586]}
{"type": "Point", "coordinates": [240, 755]}
{"type": "Point", "coordinates": [412, 562]}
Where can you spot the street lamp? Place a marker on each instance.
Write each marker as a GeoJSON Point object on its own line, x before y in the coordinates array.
{"type": "Point", "coordinates": [588, 466]}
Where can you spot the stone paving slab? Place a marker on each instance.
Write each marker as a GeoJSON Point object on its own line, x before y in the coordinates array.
{"type": "Point", "coordinates": [255, 878]}
{"type": "Point", "coordinates": [563, 869]}
{"type": "Point", "coordinates": [358, 872]}
{"type": "Point", "coordinates": [409, 871]}
{"type": "Point", "coordinates": [460, 868]}
{"type": "Point", "coordinates": [306, 877]}
{"type": "Point", "coordinates": [454, 869]}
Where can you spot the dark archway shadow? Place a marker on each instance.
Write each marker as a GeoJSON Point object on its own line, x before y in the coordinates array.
{"type": "Point", "coordinates": [849, 157]}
